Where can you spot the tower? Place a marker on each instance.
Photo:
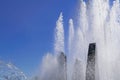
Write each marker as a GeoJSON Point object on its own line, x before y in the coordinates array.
{"type": "Point", "coordinates": [90, 69]}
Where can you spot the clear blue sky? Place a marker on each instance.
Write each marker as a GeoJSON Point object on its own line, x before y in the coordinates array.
{"type": "Point", "coordinates": [27, 29]}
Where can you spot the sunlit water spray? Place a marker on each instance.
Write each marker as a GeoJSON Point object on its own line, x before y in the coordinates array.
{"type": "Point", "coordinates": [99, 23]}
{"type": "Point", "coordinates": [59, 35]}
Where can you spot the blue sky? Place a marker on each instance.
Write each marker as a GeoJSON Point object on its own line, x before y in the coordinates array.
{"type": "Point", "coordinates": [27, 29]}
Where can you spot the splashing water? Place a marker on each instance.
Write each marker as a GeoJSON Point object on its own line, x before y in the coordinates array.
{"type": "Point", "coordinates": [99, 23]}
{"type": "Point", "coordinates": [71, 32]}
{"type": "Point", "coordinates": [59, 36]}
{"type": "Point", "coordinates": [10, 72]}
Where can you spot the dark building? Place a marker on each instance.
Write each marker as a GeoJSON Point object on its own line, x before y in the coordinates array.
{"type": "Point", "coordinates": [90, 69]}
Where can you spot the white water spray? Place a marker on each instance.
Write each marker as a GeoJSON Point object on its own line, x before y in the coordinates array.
{"type": "Point", "coordinates": [98, 22]}
{"type": "Point", "coordinates": [71, 35]}
{"type": "Point", "coordinates": [59, 35]}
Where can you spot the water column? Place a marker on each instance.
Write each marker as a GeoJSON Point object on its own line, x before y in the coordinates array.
{"type": "Point", "coordinates": [62, 68]}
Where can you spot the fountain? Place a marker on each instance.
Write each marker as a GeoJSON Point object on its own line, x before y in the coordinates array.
{"type": "Point", "coordinates": [98, 22]}
{"type": "Point", "coordinates": [9, 72]}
